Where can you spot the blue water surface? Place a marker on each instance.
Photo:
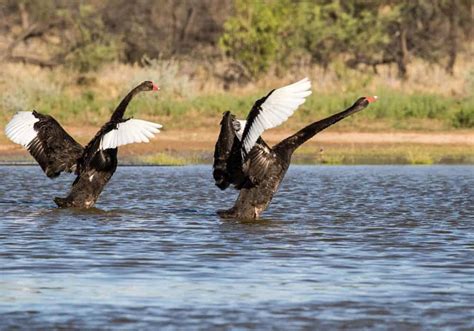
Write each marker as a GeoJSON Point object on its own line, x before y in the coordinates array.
{"type": "Point", "coordinates": [341, 247]}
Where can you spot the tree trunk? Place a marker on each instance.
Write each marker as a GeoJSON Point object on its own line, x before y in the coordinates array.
{"type": "Point", "coordinates": [402, 56]}
{"type": "Point", "coordinates": [25, 22]}
{"type": "Point", "coordinates": [452, 40]}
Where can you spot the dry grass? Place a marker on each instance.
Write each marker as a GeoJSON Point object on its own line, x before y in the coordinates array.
{"type": "Point", "coordinates": [185, 79]}
{"type": "Point", "coordinates": [386, 154]}
{"type": "Point", "coordinates": [192, 99]}
{"type": "Point", "coordinates": [164, 159]}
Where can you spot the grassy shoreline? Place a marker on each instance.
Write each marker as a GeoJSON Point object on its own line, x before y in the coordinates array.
{"type": "Point", "coordinates": [427, 108]}
{"type": "Point", "coordinates": [394, 110]}
{"type": "Point", "coordinates": [328, 154]}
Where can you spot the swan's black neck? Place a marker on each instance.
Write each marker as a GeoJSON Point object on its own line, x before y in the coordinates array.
{"type": "Point", "coordinates": [290, 144]}
{"type": "Point", "coordinates": [120, 110]}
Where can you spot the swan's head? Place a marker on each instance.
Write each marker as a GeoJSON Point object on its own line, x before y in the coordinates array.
{"type": "Point", "coordinates": [365, 101]}
{"type": "Point", "coordinates": [236, 125]}
{"type": "Point", "coordinates": [371, 99]}
{"type": "Point", "coordinates": [148, 86]}
{"type": "Point", "coordinates": [239, 126]}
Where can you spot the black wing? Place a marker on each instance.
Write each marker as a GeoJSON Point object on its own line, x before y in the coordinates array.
{"type": "Point", "coordinates": [227, 156]}
{"type": "Point", "coordinates": [259, 162]}
{"type": "Point", "coordinates": [228, 165]}
{"type": "Point", "coordinates": [51, 146]}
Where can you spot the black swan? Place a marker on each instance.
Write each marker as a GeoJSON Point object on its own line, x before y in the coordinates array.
{"type": "Point", "coordinates": [243, 159]}
{"type": "Point", "coordinates": [56, 151]}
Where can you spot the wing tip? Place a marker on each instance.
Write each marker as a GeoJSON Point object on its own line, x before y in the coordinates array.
{"type": "Point", "coordinates": [20, 129]}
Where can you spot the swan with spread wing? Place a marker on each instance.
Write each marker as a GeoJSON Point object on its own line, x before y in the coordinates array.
{"type": "Point", "coordinates": [56, 151]}
{"type": "Point", "coordinates": [243, 159]}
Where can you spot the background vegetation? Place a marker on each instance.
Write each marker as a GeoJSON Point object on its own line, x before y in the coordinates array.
{"type": "Point", "coordinates": [75, 59]}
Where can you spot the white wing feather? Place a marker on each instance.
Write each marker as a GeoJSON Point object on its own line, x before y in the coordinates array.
{"type": "Point", "coordinates": [129, 132]}
{"type": "Point", "coordinates": [20, 129]}
{"type": "Point", "coordinates": [276, 109]}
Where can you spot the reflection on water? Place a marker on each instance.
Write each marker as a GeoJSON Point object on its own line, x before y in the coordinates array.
{"type": "Point", "coordinates": [340, 247]}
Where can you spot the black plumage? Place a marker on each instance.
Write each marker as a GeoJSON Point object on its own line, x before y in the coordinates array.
{"type": "Point", "coordinates": [259, 174]}
{"type": "Point", "coordinates": [53, 148]}
{"type": "Point", "coordinates": [56, 151]}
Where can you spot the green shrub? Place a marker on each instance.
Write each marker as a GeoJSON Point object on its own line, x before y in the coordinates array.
{"type": "Point", "coordinates": [464, 118]}
{"type": "Point", "coordinates": [94, 46]}
{"type": "Point", "coordinates": [92, 56]}
{"type": "Point", "coordinates": [253, 36]}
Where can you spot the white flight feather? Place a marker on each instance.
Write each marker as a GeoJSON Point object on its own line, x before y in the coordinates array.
{"type": "Point", "coordinates": [20, 129]}
{"type": "Point", "coordinates": [276, 109]}
{"type": "Point", "coordinates": [129, 132]}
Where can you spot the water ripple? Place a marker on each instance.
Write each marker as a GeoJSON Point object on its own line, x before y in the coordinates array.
{"type": "Point", "coordinates": [340, 247]}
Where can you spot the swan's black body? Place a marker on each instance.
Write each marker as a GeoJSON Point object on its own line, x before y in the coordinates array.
{"type": "Point", "coordinates": [260, 174]}
{"type": "Point", "coordinates": [56, 151]}
{"type": "Point", "coordinates": [95, 167]}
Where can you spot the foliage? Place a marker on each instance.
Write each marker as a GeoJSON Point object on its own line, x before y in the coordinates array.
{"type": "Point", "coordinates": [254, 35]}
{"type": "Point", "coordinates": [364, 32]}
{"type": "Point", "coordinates": [88, 33]}
{"type": "Point", "coordinates": [258, 35]}
{"type": "Point", "coordinates": [331, 28]}
{"type": "Point", "coordinates": [464, 118]}
{"type": "Point", "coordinates": [93, 46]}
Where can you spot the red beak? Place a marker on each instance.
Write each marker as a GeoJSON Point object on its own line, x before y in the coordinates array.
{"type": "Point", "coordinates": [155, 87]}
{"type": "Point", "coordinates": [371, 99]}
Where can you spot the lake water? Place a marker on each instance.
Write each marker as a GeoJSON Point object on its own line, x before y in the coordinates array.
{"type": "Point", "coordinates": [379, 247]}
